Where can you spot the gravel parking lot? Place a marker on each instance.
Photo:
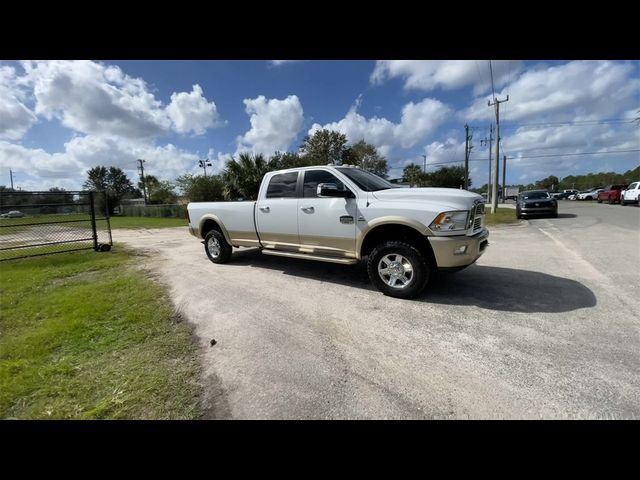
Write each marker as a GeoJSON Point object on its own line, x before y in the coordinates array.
{"type": "Point", "coordinates": [545, 325]}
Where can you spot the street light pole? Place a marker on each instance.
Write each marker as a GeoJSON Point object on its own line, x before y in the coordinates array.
{"type": "Point", "coordinates": [204, 164]}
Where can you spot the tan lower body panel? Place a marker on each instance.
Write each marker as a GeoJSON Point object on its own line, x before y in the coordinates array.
{"type": "Point", "coordinates": [333, 246]}
{"type": "Point", "coordinates": [244, 239]}
{"type": "Point", "coordinates": [306, 256]}
{"type": "Point", "coordinates": [444, 249]}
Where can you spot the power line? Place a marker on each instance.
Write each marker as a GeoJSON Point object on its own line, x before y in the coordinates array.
{"type": "Point", "coordinates": [580, 123]}
{"type": "Point", "coordinates": [583, 153]}
{"type": "Point", "coordinates": [539, 156]}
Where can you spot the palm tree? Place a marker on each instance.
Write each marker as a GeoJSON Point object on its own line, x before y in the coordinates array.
{"type": "Point", "coordinates": [242, 177]}
{"type": "Point", "coordinates": [412, 174]}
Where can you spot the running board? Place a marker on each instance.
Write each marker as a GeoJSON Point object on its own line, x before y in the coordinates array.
{"type": "Point", "coordinates": [307, 256]}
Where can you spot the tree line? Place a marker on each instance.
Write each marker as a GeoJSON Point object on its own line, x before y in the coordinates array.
{"type": "Point", "coordinates": [448, 177]}
{"type": "Point", "coordinates": [578, 182]}
{"type": "Point", "coordinates": [242, 176]}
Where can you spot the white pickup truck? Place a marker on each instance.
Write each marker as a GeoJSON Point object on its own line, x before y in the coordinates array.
{"type": "Point", "coordinates": [342, 214]}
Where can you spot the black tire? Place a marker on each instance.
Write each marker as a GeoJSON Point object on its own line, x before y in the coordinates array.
{"type": "Point", "coordinates": [611, 202]}
{"type": "Point", "coordinates": [622, 202]}
{"type": "Point", "coordinates": [220, 255]}
{"type": "Point", "coordinates": [420, 268]}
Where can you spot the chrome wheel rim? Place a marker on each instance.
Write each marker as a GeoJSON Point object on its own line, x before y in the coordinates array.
{"type": "Point", "coordinates": [395, 270]}
{"type": "Point", "coordinates": [213, 246]}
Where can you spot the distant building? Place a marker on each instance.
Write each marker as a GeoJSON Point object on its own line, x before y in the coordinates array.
{"type": "Point", "coordinates": [132, 201]}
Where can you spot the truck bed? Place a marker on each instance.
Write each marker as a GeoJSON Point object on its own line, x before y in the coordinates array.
{"type": "Point", "coordinates": [236, 217]}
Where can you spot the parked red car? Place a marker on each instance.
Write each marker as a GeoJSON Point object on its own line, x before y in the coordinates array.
{"type": "Point", "coordinates": [611, 194]}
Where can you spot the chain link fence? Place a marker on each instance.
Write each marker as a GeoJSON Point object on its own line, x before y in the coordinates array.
{"type": "Point", "coordinates": [168, 210]}
{"type": "Point", "coordinates": [41, 223]}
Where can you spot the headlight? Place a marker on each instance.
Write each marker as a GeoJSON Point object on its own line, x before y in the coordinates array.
{"type": "Point", "coordinates": [450, 221]}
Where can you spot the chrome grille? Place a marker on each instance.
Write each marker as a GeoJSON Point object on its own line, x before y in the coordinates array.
{"type": "Point", "coordinates": [478, 213]}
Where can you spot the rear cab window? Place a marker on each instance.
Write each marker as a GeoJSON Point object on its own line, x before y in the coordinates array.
{"type": "Point", "coordinates": [283, 185]}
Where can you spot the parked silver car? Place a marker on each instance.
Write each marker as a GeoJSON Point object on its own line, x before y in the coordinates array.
{"type": "Point", "coordinates": [12, 214]}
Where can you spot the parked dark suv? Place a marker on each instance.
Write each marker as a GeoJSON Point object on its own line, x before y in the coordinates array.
{"type": "Point", "coordinates": [536, 202]}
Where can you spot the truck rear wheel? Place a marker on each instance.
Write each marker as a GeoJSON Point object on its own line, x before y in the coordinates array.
{"type": "Point", "coordinates": [398, 269]}
{"type": "Point", "coordinates": [217, 248]}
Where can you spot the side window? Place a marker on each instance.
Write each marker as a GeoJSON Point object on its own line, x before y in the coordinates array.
{"type": "Point", "coordinates": [633, 186]}
{"type": "Point", "coordinates": [314, 177]}
{"type": "Point", "coordinates": [283, 185]}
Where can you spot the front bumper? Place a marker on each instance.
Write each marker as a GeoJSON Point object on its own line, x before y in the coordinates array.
{"type": "Point", "coordinates": [538, 211]}
{"type": "Point", "coordinates": [444, 249]}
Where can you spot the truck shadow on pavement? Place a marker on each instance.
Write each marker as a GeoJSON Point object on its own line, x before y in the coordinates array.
{"type": "Point", "coordinates": [493, 288]}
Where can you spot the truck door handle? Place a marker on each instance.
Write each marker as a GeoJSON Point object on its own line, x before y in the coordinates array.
{"type": "Point", "coordinates": [264, 208]}
{"type": "Point", "coordinates": [307, 209]}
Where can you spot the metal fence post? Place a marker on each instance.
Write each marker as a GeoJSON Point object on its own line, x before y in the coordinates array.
{"type": "Point", "coordinates": [106, 214]}
{"type": "Point", "coordinates": [93, 221]}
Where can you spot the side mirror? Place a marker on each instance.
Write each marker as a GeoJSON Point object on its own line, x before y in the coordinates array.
{"type": "Point", "coordinates": [331, 190]}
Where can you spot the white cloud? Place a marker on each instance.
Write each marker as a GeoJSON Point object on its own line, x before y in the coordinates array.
{"type": "Point", "coordinates": [427, 75]}
{"type": "Point", "coordinates": [192, 112]}
{"type": "Point", "coordinates": [117, 118]}
{"type": "Point", "coordinates": [69, 168]}
{"type": "Point", "coordinates": [15, 117]}
{"type": "Point", "coordinates": [277, 63]}
{"type": "Point", "coordinates": [579, 90]}
{"type": "Point", "coordinates": [274, 124]}
{"type": "Point", "coordinates": [418, 120]}
{"type": "Point", "coordinates": [92, 98]}
{"type": "Point", "coordinates": [98, 99]}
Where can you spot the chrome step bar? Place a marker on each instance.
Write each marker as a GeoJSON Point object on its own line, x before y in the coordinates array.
{"type": "Point", "coordinates": [307, 256]}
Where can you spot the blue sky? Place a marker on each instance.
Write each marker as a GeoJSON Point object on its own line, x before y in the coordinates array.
{"type": "Point", "coordinates": [58, 119]}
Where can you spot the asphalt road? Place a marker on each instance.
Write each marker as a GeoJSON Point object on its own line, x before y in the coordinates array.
{"type": "Point", "coordinates": [545, 325]}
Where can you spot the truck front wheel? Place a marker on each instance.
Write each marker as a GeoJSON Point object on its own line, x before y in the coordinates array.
{"type": "Point", "coordinates": [398, 269]}
{"type": "Point", "coordinates": [217, 248]}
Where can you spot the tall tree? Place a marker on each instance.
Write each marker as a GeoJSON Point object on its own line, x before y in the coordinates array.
{"type": "Point", "coordinates": [198, 188]}
{"type": "Point", "coordinates": [283, 160]}
{"type": "Point", "coordinates": [111, 180]}
{"type": "Point", "coordinates": [242, 177]}
{"type": "Point", "coordinates": [323, 147]}
{"type": "Point", "coordinates": [451, 177]}
{"type": "Point", "coordinates": [150, 181]}
{"type": "Point", "coordinates": [366, 156]}
{"type": "Point", "coordinates": [162, 192]}
{"type": "Point", "coordinates": [412, 174]}
{"type": "Point", "coordinates": [551, 182]}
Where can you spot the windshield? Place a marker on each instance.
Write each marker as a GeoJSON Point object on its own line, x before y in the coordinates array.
{"type": "Point", "coordinates": [534, 195]}
{"type": "Point", "coordinates": [366, 181]}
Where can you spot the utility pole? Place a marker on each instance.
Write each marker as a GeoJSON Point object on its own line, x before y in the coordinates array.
{"type": "Point", "coordinates": [496, 177]}
{"type": "Point", "coordinates": [490, 181]}
{"type": "Point", "coordinates": [466, 156]}
{"type": "Point", "coordinates": [144, 185]}
{"type": "Point", "coordinates": [488, 141]}
{"type": "Point", "coordinates": [504, 176]}
{"type": "Point", "coordinates": [424, 165]}
{"type": "Point", "coordinates": [11, 175]}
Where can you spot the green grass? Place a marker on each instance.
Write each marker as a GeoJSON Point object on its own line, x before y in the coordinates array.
{"type": "Point", "coordinates": [86, 335]}
{"type": "Point", "coordinates": [502, 215]}
{"type": "Point", "coordinates": [146, 222]}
